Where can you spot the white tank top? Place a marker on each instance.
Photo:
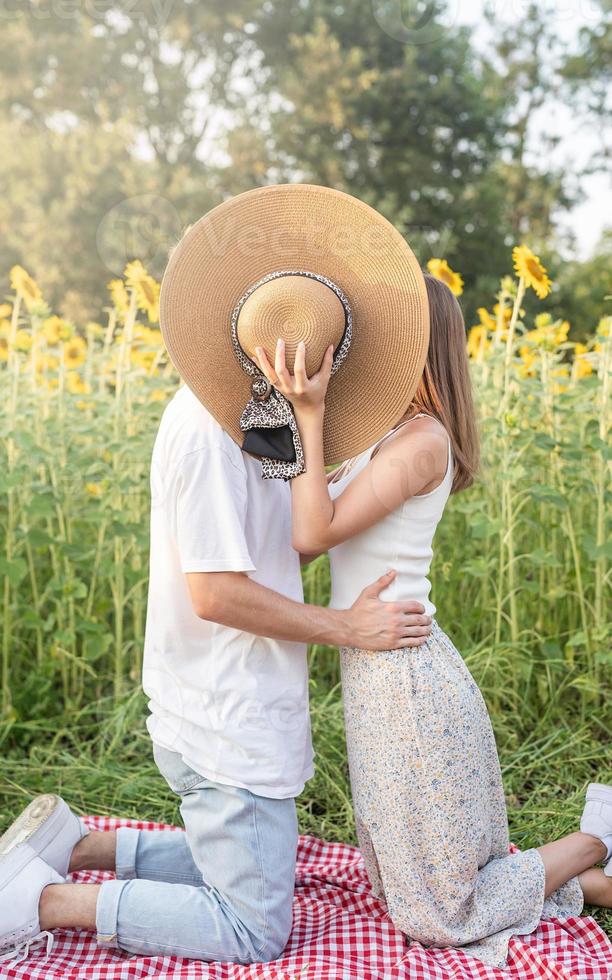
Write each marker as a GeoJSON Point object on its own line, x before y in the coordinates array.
{"type": "Point", "coordinates": [402, 540]}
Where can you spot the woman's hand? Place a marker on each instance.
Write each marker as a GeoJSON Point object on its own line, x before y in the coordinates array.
{"type": "Point", "coordinates": [307, 395]}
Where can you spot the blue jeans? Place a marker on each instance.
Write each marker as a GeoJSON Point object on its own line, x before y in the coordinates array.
{"type": "Point", "coordinates": [221, 891]}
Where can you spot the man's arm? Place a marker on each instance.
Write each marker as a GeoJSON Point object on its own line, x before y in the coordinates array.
{"type": "Point", "coordinates": [233, 599]}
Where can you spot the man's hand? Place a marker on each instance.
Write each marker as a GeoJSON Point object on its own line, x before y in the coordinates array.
{"type": "Point", "coordinates": [373, 624]}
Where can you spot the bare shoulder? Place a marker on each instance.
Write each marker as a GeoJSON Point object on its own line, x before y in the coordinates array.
{"type": "Point", "coordinates": [417, 453]}
{"type": "Point", "coordinates": [421, 433]}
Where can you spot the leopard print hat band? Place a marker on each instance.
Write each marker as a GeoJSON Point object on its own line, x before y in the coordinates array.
{"type": "Point", "coordinates": [268, 420]}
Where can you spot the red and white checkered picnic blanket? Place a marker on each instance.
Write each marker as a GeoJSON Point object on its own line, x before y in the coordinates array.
{"type": "Point", "coordinates": [340, 932]}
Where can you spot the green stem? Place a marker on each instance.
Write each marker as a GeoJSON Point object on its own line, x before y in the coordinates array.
{"type": "Point", "coordinates": [600, 484]}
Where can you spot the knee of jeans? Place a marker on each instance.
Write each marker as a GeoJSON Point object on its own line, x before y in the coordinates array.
{"type": "Point", "coordinates": [272, 943]}
{"type": "Point", "coordinates": [272, 949]}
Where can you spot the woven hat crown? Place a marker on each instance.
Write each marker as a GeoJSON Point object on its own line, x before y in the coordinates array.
{"type": "Point", "coordinates": [294, 308]}
{"type": "Point", "coordinates": [360, 263]}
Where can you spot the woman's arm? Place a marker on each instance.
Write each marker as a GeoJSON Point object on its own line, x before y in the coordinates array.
{"type": "Point", "coordinates": [306, 559]}
{"type": "Point", "coordinates": [411, 462]}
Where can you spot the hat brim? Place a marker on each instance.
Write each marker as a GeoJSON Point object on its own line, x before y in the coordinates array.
{"type": "Point", "coordinates": [316, 229]}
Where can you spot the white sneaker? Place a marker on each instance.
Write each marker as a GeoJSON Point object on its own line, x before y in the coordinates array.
{"type": "Point", "coordinates": [51, 829]}
{"type": "Point", "coordinates": [597, 818]}
{"type": "Point", "coordinates": [23, 875]}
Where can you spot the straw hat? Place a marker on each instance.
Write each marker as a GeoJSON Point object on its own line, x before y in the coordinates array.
{"type": "Point", "coordinates": [301, 262]}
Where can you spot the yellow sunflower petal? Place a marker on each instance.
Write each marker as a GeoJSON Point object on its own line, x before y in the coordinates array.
{"type": "Point", "coordinates": [529, 268]}
{"type": "Point", "coordinates": [477, 342]}
{"type": "Point", "coordinates": [147, 295]}
{"type": "Point", "coordinates": [486, 320]}
{"type": "Point", "coordinates": [76, 385]}
{"type": "Point", "coordinates": [55, 329]}
{"type": "Point", "coordinates": [74, 352]}
{"type": "Point", "coordinates": [119, 295]}
{"type": "Point", "coordinates": [441, 270]}
{"type": "Point", "coordinates": [134, 273]}
{"type": "Point", "coordinates": [24, 286]}
{"type": "Point", "coordinates": [22, 341]}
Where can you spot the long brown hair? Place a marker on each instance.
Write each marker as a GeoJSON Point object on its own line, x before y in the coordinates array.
{"type": "Point", "coordinates": [445, 389]}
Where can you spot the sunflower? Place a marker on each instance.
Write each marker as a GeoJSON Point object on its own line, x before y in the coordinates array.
{"type": "Point", "coordinates": [582, 366]}
{"type": "Point", "coordinates": [158, 395]}
{"type": "Point", "coordinates": [5, 310]}
{"type": "Point", "coordinates": [529, 268]}
{"type": "Point", "coordinates": [24, 286]}
{"type": "Point", "coordinates": [148, 336]}
{"type": "Point", "coordinates": [147, 296]}
{"type": "Point", "coordinates": [119, 295]}
{"type": "Point", "coordinates": [55, 329]}
{"type": "Point", "coordinates": [48, 362]}
{"type": "Point", "coordinates": [93, 489]}
{"type": "Point", "coordinates": [486, 320]}
{"type": "Point", "coordinates": [4, 347]}
{"type": "Point", "coordinates": [477, 341]}
{"type": "Point", "coordinates": [441, 270]}
{"type": "Point", "coordinates": [94, 329]}
{"type": "Point", "coordinates": [548, 334]}
{"type": "Point", "coordinates": [134, 273]}
{"type": "Point", "coordinates": [562, 328]}
{"type": "Point", "coordinates": [76, 385]}
{"type": "Point", "coordinates": [75, 350]}
{"type": "Point", "coordinates": [506, 313]}
{"type": "Point", "coordinates": [23, 341]}
{"type": "Point", "coordinates": [144, 359]}
{"type": "Point", "coordinates": [529, 360]}
{"type": "Point", "coordinates": [603, 327]}
{"type": "Point", "coordinates": [560, 372]}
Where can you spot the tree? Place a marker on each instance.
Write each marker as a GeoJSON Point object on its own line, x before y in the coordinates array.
{"type": "Point", "coordinates": [124, 126]}
{"type": "Point", "coordinates": [414, 129]}
{"type": "Point", "coordinates": [584, 290]}
{"type": "Point", "coordinates": [588, 76]}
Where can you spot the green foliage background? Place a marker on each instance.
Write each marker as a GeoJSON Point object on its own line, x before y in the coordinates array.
{"type": "Point", "coordinates": [128, 121]}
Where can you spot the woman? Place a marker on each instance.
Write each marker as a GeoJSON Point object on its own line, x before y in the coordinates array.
{"type": "Point", "coordinates": [426, 782]}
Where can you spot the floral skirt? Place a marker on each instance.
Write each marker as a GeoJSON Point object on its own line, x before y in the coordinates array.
{"type": "Point", "coordinates": [429, 803]}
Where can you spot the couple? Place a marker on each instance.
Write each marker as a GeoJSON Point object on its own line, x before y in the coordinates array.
{"type": "Point", "coordinates": [378, 375]}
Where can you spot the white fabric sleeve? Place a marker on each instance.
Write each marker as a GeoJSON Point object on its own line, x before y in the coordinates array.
{"type": "Point", "coordinates": [210, 513]}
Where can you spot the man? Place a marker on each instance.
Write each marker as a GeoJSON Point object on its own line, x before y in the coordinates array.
{"type": "Point", "coordinates": [226, 673]}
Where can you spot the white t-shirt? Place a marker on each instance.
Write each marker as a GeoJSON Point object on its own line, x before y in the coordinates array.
{"type": "Point", "coordinates": [234, 705]}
